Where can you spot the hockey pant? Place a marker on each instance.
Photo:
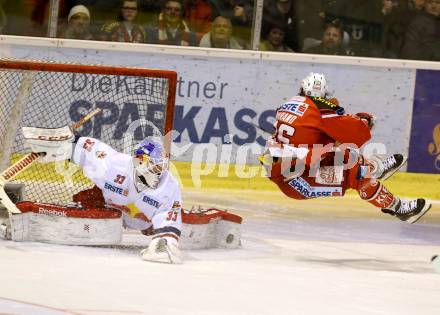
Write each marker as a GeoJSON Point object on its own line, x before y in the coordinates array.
{"type": "Point", "coordinates": [328, 180]}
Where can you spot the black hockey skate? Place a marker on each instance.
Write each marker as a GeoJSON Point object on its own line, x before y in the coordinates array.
{"type": "Point", "coordinates": [384, 168]}
{"type": "Point", "coordinates": [409, 210]}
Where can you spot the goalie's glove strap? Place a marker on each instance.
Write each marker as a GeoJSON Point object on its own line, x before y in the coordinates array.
{"type": "Point", "coordinates": [74, 142]}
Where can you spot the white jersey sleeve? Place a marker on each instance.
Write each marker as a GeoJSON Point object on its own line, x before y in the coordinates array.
{"type": "Point", "coordinates": [96, 159]}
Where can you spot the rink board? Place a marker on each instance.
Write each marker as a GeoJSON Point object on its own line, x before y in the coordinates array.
{"type": "Point", "coordinates": [223, 97]}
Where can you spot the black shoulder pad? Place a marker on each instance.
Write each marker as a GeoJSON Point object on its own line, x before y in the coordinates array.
{"type": "Point", "coordinates": [325, 105]}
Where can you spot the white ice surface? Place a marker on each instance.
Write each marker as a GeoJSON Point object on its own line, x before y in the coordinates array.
{"type": "Point", "coordinates": [317, 265]}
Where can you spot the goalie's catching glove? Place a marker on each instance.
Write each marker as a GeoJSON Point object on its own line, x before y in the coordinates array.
{"type": "Point", "coordinates": [367, 118]}
{"type": "Point", "coordinates": [164, 250]}
{"type": "Point", "coordinates": [90, 198]}
{"type": "Point", "coordinates": [55, 142]}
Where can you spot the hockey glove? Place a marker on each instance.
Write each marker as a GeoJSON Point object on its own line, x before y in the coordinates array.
{"type": "Point", "coordinates": [55, 142]}
{"type": "Point", "coordinates": [334, 100]}
{"type": "Point", "coordinates": [367, 118]}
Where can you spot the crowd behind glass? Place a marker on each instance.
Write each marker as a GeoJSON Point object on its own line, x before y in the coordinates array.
{"type": "Point", "coordinates": [408, 29]}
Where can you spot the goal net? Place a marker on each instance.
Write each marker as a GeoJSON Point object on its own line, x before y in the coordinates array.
{"type": "Point", "coordinates": [135, 102]}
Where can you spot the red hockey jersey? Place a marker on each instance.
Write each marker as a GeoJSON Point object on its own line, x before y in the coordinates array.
{"type": "Point", "coordinates": [314, 120]}
{"type": "Point", "coordinates": [307, 121]}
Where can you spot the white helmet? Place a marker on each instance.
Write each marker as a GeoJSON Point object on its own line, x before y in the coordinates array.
{"type": "Point", "coordinates": [314, 84]}
{"type": "Point", "coordinates": [150, 163]}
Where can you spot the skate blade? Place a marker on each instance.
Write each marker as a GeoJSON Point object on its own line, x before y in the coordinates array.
{"type": "Point", "coordinates": [435, 261]}
{"type": "Point", "coordinates": [415, 218]}
{"type": "Point", "coordinates": [164, 258]}
{"type": "Point", "coordinates": [405, 159]}
{"type": "Point", "coordinates": [158, 259]}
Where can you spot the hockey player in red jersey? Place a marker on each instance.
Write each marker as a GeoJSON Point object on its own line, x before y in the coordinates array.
{"type": "Point", "coordinates": [314, 153]}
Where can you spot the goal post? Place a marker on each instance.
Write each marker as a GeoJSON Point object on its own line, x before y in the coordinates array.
{"type": "Point", "coordinates": [135, 102]}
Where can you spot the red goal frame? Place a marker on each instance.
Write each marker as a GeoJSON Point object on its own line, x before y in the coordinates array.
{"type": "Point", "coordinates": [170, 75]}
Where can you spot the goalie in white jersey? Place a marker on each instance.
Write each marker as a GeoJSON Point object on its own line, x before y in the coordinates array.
{"type": "Point", "coordinates": [141, 186]}
{"type": "Point", "coordinates": [136, 187]}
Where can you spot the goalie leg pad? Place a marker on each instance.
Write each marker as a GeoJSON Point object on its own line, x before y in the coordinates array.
{"type": "Point", "coordinates": [66, 225]}
{"type": "Point", "coordinates": [211, 228]}
{"type": "Point", "coordinates": [228, 234]}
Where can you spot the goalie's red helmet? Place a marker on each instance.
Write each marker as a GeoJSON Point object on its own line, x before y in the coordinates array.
{"type": "Point", "coordinates": [150, 162]}
{"type": "Point", "coordinates": [314, 84]}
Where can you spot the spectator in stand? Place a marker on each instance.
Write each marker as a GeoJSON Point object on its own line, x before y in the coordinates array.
{"type": "Point", "coordinates": [416, 5]}
{"type": "Point", "coordinates": [331, 43]}
{"type": "Point", "coordinates": [396, 16]}
{"type": "Point", "coordinates": [199, 15]}
{"type": "Point", "coordinates": [389, 6]}
{"type": "Point", "coordinates": [170, 28]}
{"type": "Point", "coordinates": [275, 40]}
{"type": "Point", "coordinates": [124, 29]}
{"type": "Point", "coordinates": [220, 35]}
{"type": "Point", "coordinates": [422, 38]}
{"type": "Point", "coordinates": [78, 26]}
{"type": "Point", "coordinates": [281, 11]}
{"type": "Point", "coordinates": [238, 11]}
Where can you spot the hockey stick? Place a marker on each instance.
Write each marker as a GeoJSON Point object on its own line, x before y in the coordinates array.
{"type": "Point", "coordinates": [25, 162]}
